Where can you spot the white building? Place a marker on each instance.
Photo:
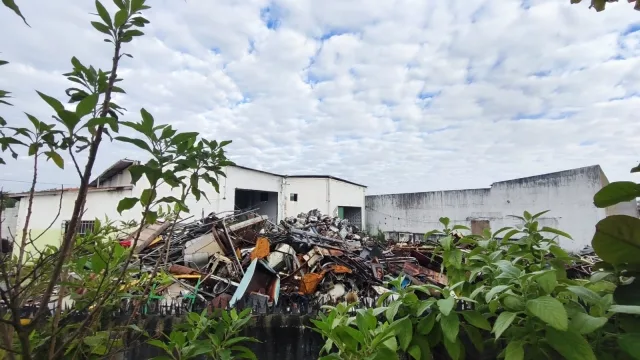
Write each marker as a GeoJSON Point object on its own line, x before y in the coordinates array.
{"type": "Point", "coordinates": [277, 196]}
{"type": "Point", "coordinates": [567, 194]}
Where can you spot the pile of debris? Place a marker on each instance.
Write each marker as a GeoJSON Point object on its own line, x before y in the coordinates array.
{"type": "Point", "coordinates": [245, 260]}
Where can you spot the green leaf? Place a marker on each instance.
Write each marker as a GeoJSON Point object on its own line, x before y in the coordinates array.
{"type": "Point", "coordinates": [476, 319]}
{"type": "Point", "coordinates": [450, 325]}
{"type": "Point", "coordinates": [474, 336]}
{"type": "Point", "coordinates": [69, 119]}
{"type": "Point", "coordinates": [103, 13]}
{"type": "Point", "coordinates": [446, 305]}
{"type": "Point", "coordinates": [599, 276]}
{"type": "Point", "coordinates": [133, 33]}
{"type": "Point", "coordinates": [617, 239]}
{"type": "Point", "coordinates": [625, 309]}
{"type": "Point", "coordinates": [586, 324]}
{"type": "Point", "coordinates": [393, 310]}
{"type": "Point", "coordinates": [555, 231]}
{"type": "Point", "coordinates": [549, 310]}
{"type": "Point", "coordinates": [509, 234]}
{"type": "Point", "coordinates": [87, 105]}
{"type": "Point", "coordinates": [101, 27]}
{"type": "Point", "coordinates": [137, 142]}
{"type": "Point", "coordinates": [514, 350]}
{"type": "Point", "coordinates": [182, 137]}
{"type": "Point", "coordinates": [126, 204]}
{"type": "Point", "coordinates": [502, 323]}
{"type": "Point", "coordinates": [55, 104]}
{"type": "Point", "coordinates": [403, 330]}
{"type": "Point", "coordinates": [547, 281]}
{"type": "Point", "coordinates": [120, 18]}
{"type": "Point", "coordinates": [571, 345]}
{"type": "Point", "coordinates": [422, 343]}
{"type": "Point", "coordinates": [630, 343]}
{"type": "Point", "coordinates": [101, 121]}
{"type": "Point", "coordinates": [57, 159]}
{"type": "Point", "coordinates": [494, 291]}
{"type": "Point", "coordinates": [426, 323]}
{"type": "Point", "coordinates": [454, 348]}
{"type": "Point", "coordinates": [147, 197]}
{"type": "Point", "coordinates": [588, 296]}
{"type": "Point", "coordinates": [414, 352]}
{"type": "Point", "coordinates": [11, 4]}
{"type": "Point", "coordinates": [615, 193]}
{"type": "Point", "coordinates": [635, 169]}
{"type": "Point", "coordinates": [444, 221]}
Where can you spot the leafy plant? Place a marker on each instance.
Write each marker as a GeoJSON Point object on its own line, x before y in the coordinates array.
{"type": "Point", "coordinates": [508, 296]}
{"type": "Point", "coordinates": [218, 337]}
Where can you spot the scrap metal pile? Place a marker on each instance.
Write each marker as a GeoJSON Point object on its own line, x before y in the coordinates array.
{"type": "Point", "coordinates": [245, 260]}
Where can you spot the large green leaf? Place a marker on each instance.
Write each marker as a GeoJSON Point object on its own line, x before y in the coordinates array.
{"type": "Point", "coordinates": [617, 239]}
{"type": "Point", "coordinates": [503, 322]}
{"type": "Point", "coordinates": [454, 348]}
{"type": "Point", "coordinates": [556, 231]}
{"type": "Point", "coordinates": [514, 351]}
{"type": "Point", "coordinates": [630, 343]}
{"type": "Point", "coordinates": [616, 192]}
{"type": "Point", "coordinates": [476, 319]}
{"type": "Point", "coordinates": [422, 343]}
{"type": "Point", "coordinates": [126, 204]}
{"type": "Point", "coordinates": [426, 323]}
{"type": "Point", "coordinates": [404, 331]}
{"type": "Point", "coordinates": [11, 4]}
{"type": "Point", "coordinates": [549, 310]}
{"type": "Point", "coordinates": [586, 324]}
{"type": "Point", "coordinates": [87, 105]}
{"type": "Point", "coordinates": [547, 281]}
{"type": "Point", "coordinates": [571, 345]}
{"type": "Point", "coordinates": [625, 309]}
{"type": "Point", "coordinates": [446, 305]}
{"type": "Point", "coordinates": [588, 296]}
{"type": "Point", "coordinates": [450, 326]}
{"type": "Point", "coordinates": [494, 291]}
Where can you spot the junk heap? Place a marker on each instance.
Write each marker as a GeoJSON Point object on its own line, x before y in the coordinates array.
{"type": "Point", "coordinates": [297, 266]}
{"type": "Point", "coordinates": [244, 260]}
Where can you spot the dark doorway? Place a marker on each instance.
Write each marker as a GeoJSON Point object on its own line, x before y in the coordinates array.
{"type": "Point", "coordinates": [264, 202]}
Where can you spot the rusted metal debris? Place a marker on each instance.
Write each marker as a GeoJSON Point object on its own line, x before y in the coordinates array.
{"type": "Point", "coordinates": [242, 259]}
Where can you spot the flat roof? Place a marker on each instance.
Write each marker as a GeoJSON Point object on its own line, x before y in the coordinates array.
{"type": "Point", "coordinates": [70, 189]}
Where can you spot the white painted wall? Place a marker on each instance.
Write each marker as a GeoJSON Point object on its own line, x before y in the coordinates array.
{"type": "Point", "coordinates": [312, 194]}
{"type": "Point", "coordinates": [568, 194]}
{"type": "Point", "coordinates": [345, 194]}
{"type": "Point", "coordinates": [9, 220]}
{"type": "Point", "coordinates": [47, 224]}
{"type": "Point", "coordinates": [122, 178]}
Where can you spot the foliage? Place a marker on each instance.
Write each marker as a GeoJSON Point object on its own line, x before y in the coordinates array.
{"type": "Point", "coordinates": [600, 5]}
{"type": "Point", "coordinates": [508, 296]}
{"type": "Point", "coordinates": [217, 337]}
{"type": "Point", "coordinates": [90, 275]}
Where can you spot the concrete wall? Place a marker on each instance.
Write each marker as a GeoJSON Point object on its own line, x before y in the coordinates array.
{"type": "Point", "coordinates": [312, 194]}
{"type": "Point", "coordinates": [9, 221]}
{"type": "Point", "coordinates": [122, 178]}
{"type": "Point", "coordinates": [345, 194]}
{"type": "Point", "coordinates": [46, 221]}
{"type": "Point", "coordinates": [568, 194]}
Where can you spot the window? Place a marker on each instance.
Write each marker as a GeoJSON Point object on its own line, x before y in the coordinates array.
{"type": "Point", "coordinates": [293, 197]}
{"type": "Point", "coordinates": [86, 226]}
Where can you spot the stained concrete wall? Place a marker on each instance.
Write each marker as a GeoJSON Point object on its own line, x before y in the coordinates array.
{"type": "Point", "coordinates": [568, 194]}
{"type": "Point", "coordinates": [9, 220]}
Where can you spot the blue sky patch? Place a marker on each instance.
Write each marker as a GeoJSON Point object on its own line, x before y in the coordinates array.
{"type": "Point", "coordinates": [270, 15]}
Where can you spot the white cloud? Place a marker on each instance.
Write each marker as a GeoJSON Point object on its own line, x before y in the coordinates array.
{"type": "Point", "coordinates": [402, 95]}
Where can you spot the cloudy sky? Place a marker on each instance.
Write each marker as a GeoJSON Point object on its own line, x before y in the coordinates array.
{"type": "Point", "coordinates": [403, 96]}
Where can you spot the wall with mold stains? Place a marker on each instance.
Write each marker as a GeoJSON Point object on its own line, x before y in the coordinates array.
{"type": "Point", "coordinates": [567, 194]}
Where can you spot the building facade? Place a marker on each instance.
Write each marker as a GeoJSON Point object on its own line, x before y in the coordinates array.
{"type": "Point", "coordinates": [274, 195]}
{"type": "Point", "coordinates": [567, 194]}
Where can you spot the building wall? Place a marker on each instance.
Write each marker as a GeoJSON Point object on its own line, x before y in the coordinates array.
{"type": "Point", "coordinates": [122, 178]}
{"type": "Point", "coordinates": [568, 194]}
{"type": "Point", "coordinates": [9, 220]}
{"type": "Point", "coordinates": [47, 227]}
{"type": "Point", "coordinates": [345, 194]}
{"type": "Point", "coordinates": [312, 194]}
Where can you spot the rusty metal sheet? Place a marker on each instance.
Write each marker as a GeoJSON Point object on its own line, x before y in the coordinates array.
{"type": "Point", "coordinates": [181, 270]}
{"type": "Point", "coordinates": [416, 270]}
{"type": "Point", "coordinates": [261, 250]}
{"type": "Point", "coordinates": [340, 269]}
{"type": "Point", "coordinates": [309, 283]}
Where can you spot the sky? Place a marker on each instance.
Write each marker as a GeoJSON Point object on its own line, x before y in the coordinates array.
{"type": "Point", "coordinates": [402, 96]}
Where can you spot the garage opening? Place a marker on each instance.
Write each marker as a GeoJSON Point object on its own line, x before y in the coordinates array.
{"type": "Point", "coordinates": [351, 213]}
{"type": "Point", "coordinates": [264, 202]}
